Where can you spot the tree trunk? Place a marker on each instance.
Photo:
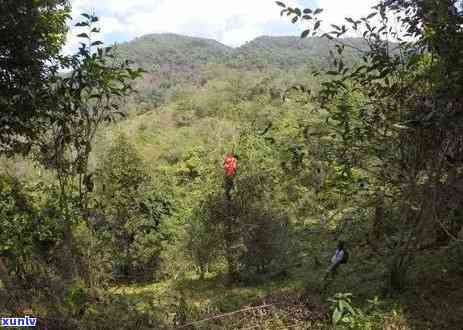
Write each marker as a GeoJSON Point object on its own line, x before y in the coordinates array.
{"type": "Point", "coordinates": [230, 239]}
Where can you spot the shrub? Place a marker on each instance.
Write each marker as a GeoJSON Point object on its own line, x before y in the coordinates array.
{"type": "Point", "coordinates": [133, 210]}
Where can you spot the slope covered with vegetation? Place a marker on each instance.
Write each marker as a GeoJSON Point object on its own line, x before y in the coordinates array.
{"type": "Point", "coordinates": [173, 61]}
{"type": "Point", "coordinates": [290, 53]}
{"type": "Point", "coordinates": [116, 211]}
{"type": "Point", "coordinates": [153, 52]}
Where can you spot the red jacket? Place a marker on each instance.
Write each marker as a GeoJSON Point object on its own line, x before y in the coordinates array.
{"type": "Point", "coordinates": [229, 165]}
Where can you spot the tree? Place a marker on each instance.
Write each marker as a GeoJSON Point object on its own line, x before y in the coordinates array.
{"type": "Point", "coordinates": [409, 124]}
{"type": "Point", "coordinates": [78, 104]}
{"type": "Point", "coordinates": [133, 211]}
{"type": "Point", "coordinates": [31, 36]}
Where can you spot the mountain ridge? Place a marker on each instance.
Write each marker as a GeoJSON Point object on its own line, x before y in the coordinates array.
{"type": "Point", "coordinates": [171, 60]}
{"type": "Point", "coordinates": [162, 48]}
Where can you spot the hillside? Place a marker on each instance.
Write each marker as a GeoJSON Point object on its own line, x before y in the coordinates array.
{"type": "Point", "coordinates": [237, 189]}
{"type": "Point", "coordinates": [170, 51]}
{"type": "Point", "coordinates": [292, 52]}
{"type": "Point", "coordinates": [172, 60]}
{"type": "Point", "coordinates": [161, 52]}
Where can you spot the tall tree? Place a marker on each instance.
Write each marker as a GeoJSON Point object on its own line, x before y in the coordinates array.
{"type": "Point", "coordinates": [32, 34]}
{"type": "Point", "coordinates": [82, 100]}
{"type": "Point", "coordinates": [410, 121]}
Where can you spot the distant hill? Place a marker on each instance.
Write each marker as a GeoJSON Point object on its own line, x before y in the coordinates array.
{"type": "Point", "coordinates": [291, 52]}
{"type": "Point", "coordinates": [173, 60]}
{"type": "Point", "coordinates": [167, 50]}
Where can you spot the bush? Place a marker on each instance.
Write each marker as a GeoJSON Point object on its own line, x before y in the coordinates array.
{"type": "Point", "coordinates": [133, 212]}
{"type": "Point", "coordinates": [254, 238]}
{"type": "Point", "coordinates": [204, 240]}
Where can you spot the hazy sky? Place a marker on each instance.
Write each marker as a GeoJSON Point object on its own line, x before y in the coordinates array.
{"type": "Point", "coordinates": [232, 22]}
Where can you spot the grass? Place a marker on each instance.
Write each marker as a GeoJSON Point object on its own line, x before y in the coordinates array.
{"type": "Point", "coordinates": [433, 300]}
{"type": "Point", "coordinates": [294, 302]}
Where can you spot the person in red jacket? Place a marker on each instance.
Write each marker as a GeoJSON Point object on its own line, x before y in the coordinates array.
{"type": "Point", "coordinates": [230, 165]}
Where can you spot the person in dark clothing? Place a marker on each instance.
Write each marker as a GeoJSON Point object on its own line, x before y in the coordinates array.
{"type": "Point", "coordinates": [339, 257]}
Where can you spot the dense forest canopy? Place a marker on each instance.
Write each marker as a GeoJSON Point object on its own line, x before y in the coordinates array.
{"type": "Point", "coordinates": [340, 209]}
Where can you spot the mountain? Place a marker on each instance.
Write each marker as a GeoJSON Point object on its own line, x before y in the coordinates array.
{"type": "Point", "coordinates": [168, 50]}
{"type": "Point", "coordinates": [293, 52]}
{"type": "Point", "coordinates": [173, 60]}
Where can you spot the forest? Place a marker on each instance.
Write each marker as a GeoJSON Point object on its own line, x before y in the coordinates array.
{"type": "Point", "coordinates": [172, 182]}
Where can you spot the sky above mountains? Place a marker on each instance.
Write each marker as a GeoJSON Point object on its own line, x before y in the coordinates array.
{"type": "Point", "coordinates": [231, 22]}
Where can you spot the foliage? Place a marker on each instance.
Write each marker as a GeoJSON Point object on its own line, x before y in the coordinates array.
{"type": "Point", "coordinates": [205, 241]}
{"type": "Point", "coordinates": [367, 150]}
{"type": "Point", "coordinates": [404, 105]}
{"type": "Point", "coordinates": [174, 63]}
{"type": "Point", "coordinates": [16, 215]}
{"type": "Point", "coordinates": [30, 234]}
{"type": "Point", "coordinates": [79, 103]}
{"type": "Point", "coordinates": [346, 316]}
{"type": "Point", "coordinates": [133, 211]}
{"type": "Point", "coordinates": [454, 256]}
{"type": "Point", "coordinates": [252, 235]}
{"type": "Point", "coordinates": [31, 34]}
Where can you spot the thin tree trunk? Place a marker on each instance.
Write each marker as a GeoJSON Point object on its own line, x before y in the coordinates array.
{"type": "Point", "coordinates": [233, 271]}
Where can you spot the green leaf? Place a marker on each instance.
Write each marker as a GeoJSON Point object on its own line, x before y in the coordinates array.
{"type": "Point", "coordinates": [307, 11]}
{"type": "Point", "coordinates": [317, 25]}
{"type": "Point", "coordinates": [96, 43]}
{"type": "Point", "coordinates": [327, 35]}
{"type": "Point", "coordinates": [337, 314]}
{"type": "Point", "coordinates": [371, 15]}
{"type": "Point", "coordinates": [318, 11]}
{"type": "Point", "coordinates": [307, 17]}
{"type": "Point", "coordinates": [294, 20]}
{"type": "Point", "coordinates": [350, 20]}
{"type": "Point", "coordinates": [281, 4]}
{"type": "Point", "coordinates": [83, 35]}
{"type": "Point", "coordinates": [305, 34]}
{"type": "Point", "coordinates": [350, 309]}
{"type": "Point", "coordinates": [343, 305]}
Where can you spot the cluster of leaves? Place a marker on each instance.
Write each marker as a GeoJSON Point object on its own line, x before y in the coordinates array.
{"type": "Point", "coordinates": [52, 108]}
{"type": "Point", "coordinates": [391, 133]}
{"type": "Point", "coordinates": [346, 316]}
{"type": "Point", "coordinates": [132, 212]}
{"type": "Point", "coordinates": [249, 231]}
{"type": "Point", "coordinates": [31, 38]}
